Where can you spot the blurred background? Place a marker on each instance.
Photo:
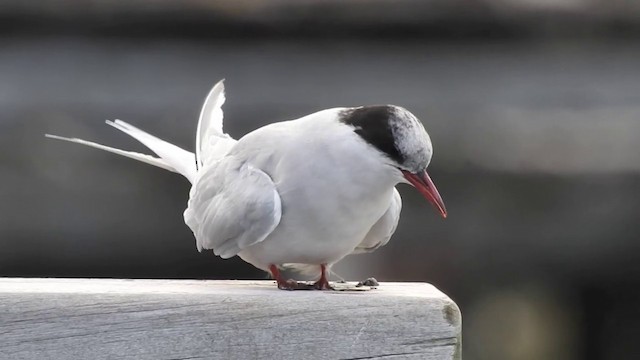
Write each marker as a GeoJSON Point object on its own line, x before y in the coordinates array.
{"type": "Point", "coordinates": [533, 108]}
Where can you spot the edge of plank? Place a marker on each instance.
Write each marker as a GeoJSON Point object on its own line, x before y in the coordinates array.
{"type": "Point", "coordinates": [160, 286]}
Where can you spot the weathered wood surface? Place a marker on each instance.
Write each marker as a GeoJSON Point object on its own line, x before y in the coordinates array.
{"type": "Point", "coordinates": [190, 319]}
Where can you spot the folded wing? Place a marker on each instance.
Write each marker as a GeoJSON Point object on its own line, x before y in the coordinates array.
{"type": "Point", "coordinates": [382, 230]}
{"type": "Point", "coordinates": [233, 205]}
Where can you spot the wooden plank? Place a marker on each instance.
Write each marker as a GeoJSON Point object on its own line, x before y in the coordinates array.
{"type": "Point", "coordinates": [191, 319]}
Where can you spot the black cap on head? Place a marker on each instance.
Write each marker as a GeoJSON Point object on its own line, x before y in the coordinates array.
{"type": "Point", "coordinates": [394, 131]}
{"type": "Point", "coordinates": [373, 125]}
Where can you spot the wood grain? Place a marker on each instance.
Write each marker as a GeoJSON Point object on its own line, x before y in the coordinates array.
{"type": "Point", "coordinates": [189, 319]}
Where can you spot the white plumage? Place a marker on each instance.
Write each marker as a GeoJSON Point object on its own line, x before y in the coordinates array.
{"type": "Point", "coordinates": [300, 193]}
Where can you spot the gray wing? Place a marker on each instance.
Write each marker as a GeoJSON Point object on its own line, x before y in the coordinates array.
{"type": "Point", "coordinates": [233, 205]}
{"type": "Point", "coordinates": [382, 230]}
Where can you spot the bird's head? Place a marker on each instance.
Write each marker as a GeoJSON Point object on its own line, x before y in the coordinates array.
{"type": "Point", "coordinates": [403, 142]}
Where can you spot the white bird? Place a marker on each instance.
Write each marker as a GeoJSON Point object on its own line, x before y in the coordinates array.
{"type": "Point", "coordinates": [302, 193]}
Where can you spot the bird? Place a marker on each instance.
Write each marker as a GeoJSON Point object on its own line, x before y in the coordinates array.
{"type": "Point", "coordinates": [298, 194]}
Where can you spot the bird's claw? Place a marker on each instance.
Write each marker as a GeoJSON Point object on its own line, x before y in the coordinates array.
{"type": "Point", "coordinates": [288, 285]}
{"type": "Point", "coordinates": [294, 285]}
{"type": "Point", "coordinates": [300, 285]}
{"type": "Point", "coordinates": [322, 285]}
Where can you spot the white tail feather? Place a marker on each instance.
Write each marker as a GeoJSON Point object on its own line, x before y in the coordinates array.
{"type": "Point", "coordinates": [130, 154]}
{"type": "Point", "coordinates": [180, 159]}
{"type": "Point", "coordinates": [171, 157]}
{"type": "Point", "coordinates": [211, 142]}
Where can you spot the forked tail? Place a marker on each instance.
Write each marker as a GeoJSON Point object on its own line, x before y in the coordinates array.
{"type": "Point", "coordinates": [211, 142]}
{"type": "Point", "coordinates": [171, 157]}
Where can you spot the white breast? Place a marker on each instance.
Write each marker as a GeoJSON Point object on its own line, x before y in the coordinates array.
{"type": "Point", "coordinates": [333, 188]}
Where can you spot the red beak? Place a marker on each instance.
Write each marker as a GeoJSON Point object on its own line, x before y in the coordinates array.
{"type": "Point", "coordinates": [422, 182]}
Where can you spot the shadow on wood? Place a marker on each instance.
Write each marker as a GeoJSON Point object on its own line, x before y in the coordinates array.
{"type": "Point", "coordinates": [180, 319]}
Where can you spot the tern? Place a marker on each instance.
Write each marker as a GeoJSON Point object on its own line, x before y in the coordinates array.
{"type": "Point", "coordinates": [299, 194]}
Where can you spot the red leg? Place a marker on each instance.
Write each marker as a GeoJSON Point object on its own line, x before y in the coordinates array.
{"type": "Point", "coordinates": [323, 282]}
{"type": "Point", "coordinates": [282, 284]}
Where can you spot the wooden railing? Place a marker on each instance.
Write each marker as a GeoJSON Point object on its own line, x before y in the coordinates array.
{"type": "Point", "coordinates": [189, 319]}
